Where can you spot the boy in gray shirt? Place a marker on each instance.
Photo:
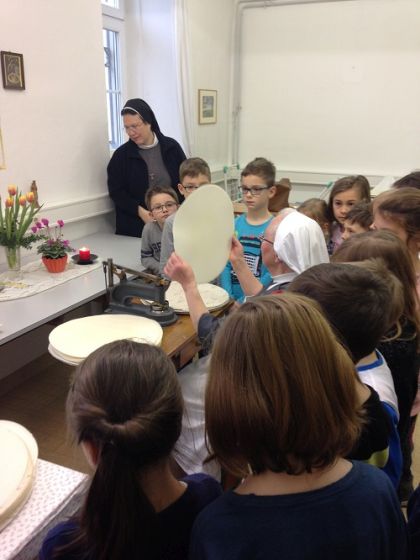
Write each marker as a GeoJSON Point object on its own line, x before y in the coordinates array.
{"type": "Point", "coordinates": [161, 202]}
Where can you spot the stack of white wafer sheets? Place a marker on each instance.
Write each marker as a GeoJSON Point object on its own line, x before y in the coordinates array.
{"type": "Point", "coordinates": [213, 297]}
{"type": "Point", "coordinates": [73, 341]}
{"type": "Point", "coordinates": [19, 453]}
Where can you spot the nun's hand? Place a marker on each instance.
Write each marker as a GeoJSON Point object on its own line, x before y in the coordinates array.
{"type": "Point", "coordinates": [236, 252]}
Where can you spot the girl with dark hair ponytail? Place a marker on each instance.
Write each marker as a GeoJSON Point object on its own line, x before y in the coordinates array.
{"type": "Point", "coordinates": [125, 408]}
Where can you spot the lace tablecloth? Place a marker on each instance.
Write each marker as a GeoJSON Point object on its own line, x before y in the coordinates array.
{"type": "Point", "coordinates": [57, 495]}
{"type": "Point", "coordinates": [35, 278]}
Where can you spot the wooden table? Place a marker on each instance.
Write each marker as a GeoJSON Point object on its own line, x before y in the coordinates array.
{"type": "Point", "coordinates": [180, 341]}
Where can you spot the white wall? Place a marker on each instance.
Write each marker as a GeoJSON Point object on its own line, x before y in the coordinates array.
{"type": "Point", "coordinates": [332, 87]}
{"type": "Point", "coordinates": [154, 62]}
{"type": "Point", "coordinates": [210, 25]}
{"type": "Point", "coordinates": [55, 131]}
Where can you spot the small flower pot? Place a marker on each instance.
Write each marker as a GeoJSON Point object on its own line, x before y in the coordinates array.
{"type": "Point", "coordinates": [55, 265]}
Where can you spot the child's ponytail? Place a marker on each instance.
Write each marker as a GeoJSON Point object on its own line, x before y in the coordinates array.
{"type": "Point", "coordinates": [126, 404]}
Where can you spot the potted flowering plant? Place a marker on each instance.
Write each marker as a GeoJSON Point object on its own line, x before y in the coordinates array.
{"type": "Point", "coordinates": [54, 248]}
{"type": "Point", "coordinates": [16, 217]}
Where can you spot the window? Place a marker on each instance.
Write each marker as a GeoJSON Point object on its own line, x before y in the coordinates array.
{"type": "Point", "coordinates": [111, 3]}
{"type": "Point", "coordinates": [113, 86]}
{"type": "Point", "coordinates": [113, 37]}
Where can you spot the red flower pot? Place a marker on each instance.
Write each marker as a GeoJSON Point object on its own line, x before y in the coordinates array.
{"type": "Point", "coordinates": [55, 265]}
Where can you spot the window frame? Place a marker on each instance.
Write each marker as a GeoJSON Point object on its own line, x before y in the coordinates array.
{"type": "Point", "coordinates": [113, 20]}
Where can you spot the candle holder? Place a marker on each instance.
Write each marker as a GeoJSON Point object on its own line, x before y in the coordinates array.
{"type": "Point", "coordinates": [76, 259]}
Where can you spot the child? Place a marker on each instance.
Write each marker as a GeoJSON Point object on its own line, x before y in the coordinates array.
{"type": "Point", "coordinates": [125, 408]}
{"type": "Point", "coordinates": [362, 304]}
{"type": "Point", "coordinates": [292, 243]}
{"type": "Point", "coordinates": [411, 180]}
{"type": "Point", "coordinates": [193, 173]}
{"type": "Point", "coordinates": [345, 193]}
{"type": "Point", "coordinates": [358, 220]}
{"type": "Point", "coordinates": [399, 211]}
{"type": "Point", "coordinates": [257, 185]}
{"type": "Point", "coordinates": [400, 346]}
{"type": "Point", "coordinates": [316, 208]}
{"type": "Point", "coordinates": [282, 413]}
{"type": "Point", "coordinates": [161, 203]}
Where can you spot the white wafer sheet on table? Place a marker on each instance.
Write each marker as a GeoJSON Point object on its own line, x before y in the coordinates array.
{"type": "Point", "coordinates": [78, 338]}
{"type": "Point", "coordinates": [203, 229]}
{"type": "Point", "coordinates": [19, 453]}
{"type": "Point", "coordinates": [213, 296]}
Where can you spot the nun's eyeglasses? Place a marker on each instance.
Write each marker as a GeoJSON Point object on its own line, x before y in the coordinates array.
{"type": "Point", "coordinates": [254, 191]}
{"type": "Point", "coordinates": [262, 238]}
{"type": "Point", "coordinates": [134, 127]}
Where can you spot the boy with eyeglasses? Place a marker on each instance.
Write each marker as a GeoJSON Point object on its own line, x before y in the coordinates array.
{"type": "Point", "coordinates": [161, 202]}
{"type": "Point", "coordinates": [193, 173]}
{"type": "Point", "coordinates": [257, 186]}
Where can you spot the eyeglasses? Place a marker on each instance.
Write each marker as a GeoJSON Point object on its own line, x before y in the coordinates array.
{"type": "Point", "coordinates": [262, 238]}
{"type": "Point", "coordinates": [254, 191]}
{"type": "Point", "coordinates": [167, 205]}
{"type": "Point", "coordinates": [134, 127]}
{"type": "Point", "coordinates": [191, 188]}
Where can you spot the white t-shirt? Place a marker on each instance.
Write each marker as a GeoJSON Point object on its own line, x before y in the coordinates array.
{"type": "Point", "coordinates": [378, 376]}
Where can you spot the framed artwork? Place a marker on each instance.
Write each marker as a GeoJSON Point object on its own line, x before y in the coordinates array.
{"type": "Point", "coordinates": [12, 70]}
{"type": "Point", "coordinates": [207, 106]}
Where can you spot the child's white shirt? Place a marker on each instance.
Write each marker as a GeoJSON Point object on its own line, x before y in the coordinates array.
{"type": "Point", "coordinates": [378, 376]}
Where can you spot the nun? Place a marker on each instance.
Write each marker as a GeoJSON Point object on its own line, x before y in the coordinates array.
{"type": "Point", "coordinates": [148, 159]}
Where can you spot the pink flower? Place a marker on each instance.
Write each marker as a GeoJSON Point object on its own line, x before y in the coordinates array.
{"type": "Point", "coordinates": [38, 225]}
{"type": "Point", "coordinates": [34, 229]}
{"type": "Point", "coordinates": [66, 242]}
{"type": "Point", "coordinates": [60, 223]}
{"type": "Point", "coordinates": [45, 221]}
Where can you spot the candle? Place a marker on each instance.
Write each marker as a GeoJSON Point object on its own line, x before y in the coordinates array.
{"type": "Point", "coordinates": [84, 254]}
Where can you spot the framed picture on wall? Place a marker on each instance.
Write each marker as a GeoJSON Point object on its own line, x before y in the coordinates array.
{"type": "Point", "coordinates": [207, 106]}
{"type": "Point", "coordinates": [12, 70]}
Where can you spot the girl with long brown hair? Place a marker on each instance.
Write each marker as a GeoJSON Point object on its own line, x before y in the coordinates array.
{"type": "Point", "coordinates": [125, 408]}
{"type": "Point", "coordinates": [398, 210]}
{"type": "Point", "coordinates": [281, 412]}
{"type": "Point", "coordinates": [345, 193]}
{"type": "Point", "coordinates": [400, 347]}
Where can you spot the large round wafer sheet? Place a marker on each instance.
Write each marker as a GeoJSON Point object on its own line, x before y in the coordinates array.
{"type": "Point", "coordinates": [17, 469]}
{"type": "Point", "coordinates": [203, 229]}
{"type": "Point", "coordinates": [78, 338]}
{"type": "Point", "coordinates": [213, 297]}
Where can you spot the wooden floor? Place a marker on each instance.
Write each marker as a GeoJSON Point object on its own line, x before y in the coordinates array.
{"type": "Point", "coordinates": [38, 403]}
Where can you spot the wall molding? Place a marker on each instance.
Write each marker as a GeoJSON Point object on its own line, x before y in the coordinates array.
{"type": "Point", "coordinates": [305, 183]}
{"type": "Point", "coordinates": [71, 202]}
{"type": "Point", "coordinates": [79, 209]}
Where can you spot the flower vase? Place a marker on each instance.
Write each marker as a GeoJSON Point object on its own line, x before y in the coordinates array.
{"type": "Point", "coordinates": [55, 265]}
{"type": "Point", "coordinates": [13, 261]}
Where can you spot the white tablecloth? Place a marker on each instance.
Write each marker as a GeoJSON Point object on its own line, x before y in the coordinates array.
{"type": "Point", "coordinates": [35, 278]}
{"type": "Point", "coordinates": [57, 494]}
